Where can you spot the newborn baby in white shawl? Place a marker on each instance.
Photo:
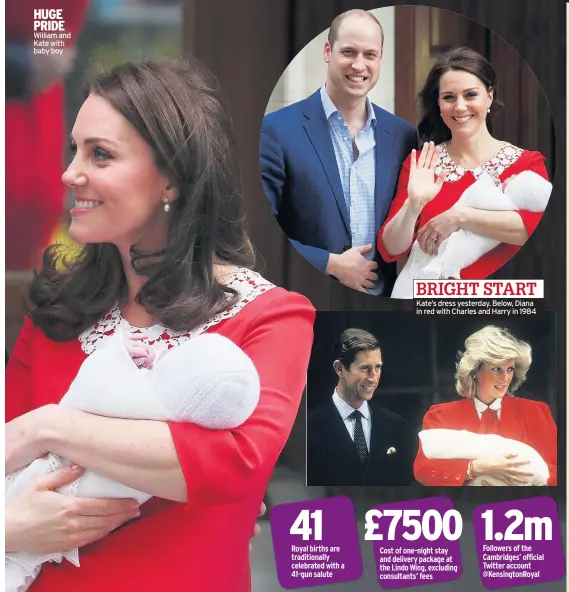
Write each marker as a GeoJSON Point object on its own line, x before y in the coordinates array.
{"type": "Point", "coordinates": [461, 444]}
{"type": "Point", "coordinates": [527, 191]}
{"type": "Point", "coordinates": [187, 383]}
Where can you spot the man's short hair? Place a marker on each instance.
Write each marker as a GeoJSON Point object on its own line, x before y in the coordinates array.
{"type": "Point", "coordinates": [333, 32]}
{"type": "Point", "coordinates": [351, 342]}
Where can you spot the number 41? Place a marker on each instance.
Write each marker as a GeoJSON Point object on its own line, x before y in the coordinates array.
{"type": "Point", "coordinates": [302, 525]}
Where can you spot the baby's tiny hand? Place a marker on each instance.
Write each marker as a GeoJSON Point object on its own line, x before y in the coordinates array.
{"type": "Point", "coordinates": [507, 182]}
{"type": "Point", "coordinates": [141, 353]}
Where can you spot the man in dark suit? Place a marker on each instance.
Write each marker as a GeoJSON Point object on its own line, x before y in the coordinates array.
{"type": "Point", "coordinates": [350, 440]}
{"type": "Point", "coordinates": [330, 163]}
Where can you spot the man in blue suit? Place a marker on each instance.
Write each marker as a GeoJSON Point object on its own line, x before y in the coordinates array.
{"type": "Point", "coordinates": [330, 163]}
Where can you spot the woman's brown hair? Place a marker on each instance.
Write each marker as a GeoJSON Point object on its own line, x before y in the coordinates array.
{"type": "Point", "coordinates": [176, 107]}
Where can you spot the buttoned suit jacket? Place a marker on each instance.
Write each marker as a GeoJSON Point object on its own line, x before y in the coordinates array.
{"type": "Point", "coordinates": [302, 182]}
{"type": "Point", "coordinates": [332, 458]}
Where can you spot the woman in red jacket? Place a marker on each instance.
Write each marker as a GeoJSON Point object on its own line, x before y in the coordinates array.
{"type": "Point", "coordinates": [492, 367]}
{"type": "Point", "coordinates": [158, 210]}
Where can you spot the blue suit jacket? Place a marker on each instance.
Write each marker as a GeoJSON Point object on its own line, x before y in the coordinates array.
{"type": "Point", "coordinates": [302, 182]}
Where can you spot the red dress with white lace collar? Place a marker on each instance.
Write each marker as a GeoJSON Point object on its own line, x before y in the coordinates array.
{"type": "Point", "coordinates": [204, 544]}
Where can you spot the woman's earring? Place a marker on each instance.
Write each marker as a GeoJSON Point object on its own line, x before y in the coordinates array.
{"type": "Point", "coordinates": [488, 109]}
{"type": "Point", "coordinates": [166, 203]}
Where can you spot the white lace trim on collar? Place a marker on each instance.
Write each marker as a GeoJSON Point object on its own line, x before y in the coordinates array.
{"type": "Point", "coordinates": [248, 284]}
{"type": "Point", "coordinates": [504, 158]}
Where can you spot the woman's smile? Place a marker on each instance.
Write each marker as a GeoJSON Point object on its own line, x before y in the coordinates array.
{"type": "Point", "coordinates": [462, 118]}
{"type": "Point", "coordinates": [83, 206]}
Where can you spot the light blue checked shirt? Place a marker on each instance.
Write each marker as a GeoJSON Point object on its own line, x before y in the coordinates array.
{"type": "Point", "coordinates": [357, 175]}
{"type": "Point", "coordinates": [345, 410]}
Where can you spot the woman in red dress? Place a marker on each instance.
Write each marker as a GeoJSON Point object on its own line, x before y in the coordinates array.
{"type": "Point", "coordinates": [158, 210]}
{"type": "Point", "coordinates": [458, 102]}
{"type": "Point", "coordinates": [493, 365]}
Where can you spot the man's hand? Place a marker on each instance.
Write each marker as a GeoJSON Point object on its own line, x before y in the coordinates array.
{"type": "Point", "coordinates": [352, 269]}
{"type": "Point", "coordinates": [42, 521]}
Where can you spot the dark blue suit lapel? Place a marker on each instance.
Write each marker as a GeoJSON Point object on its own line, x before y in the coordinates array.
{"type": "Point", "coordinates": [318, 132]}
{"type": "Point", "coordinates": [335, 436]}
{"type": "Point", "coordinates": [341, 440]}
{"type": "Point", "coordinates": [383, 169]}
{"type": "Point", "coordinates": [380, 433]}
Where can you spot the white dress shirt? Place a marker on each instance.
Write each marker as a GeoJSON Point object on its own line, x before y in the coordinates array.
{"type": "Point", "coordinates": [345, 410]}
{"type": "Point", "coordinates": [481, 407]}
{"type": "Point", "coordinates": [357, 174]}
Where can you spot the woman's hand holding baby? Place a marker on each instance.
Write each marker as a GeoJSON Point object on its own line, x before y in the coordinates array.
{"type": "Point", "coordinates": [439, 228]}
{"type": "Point", "coordinates": [505, 468]}
{"type": "Point", "coordinates": [40, 520]}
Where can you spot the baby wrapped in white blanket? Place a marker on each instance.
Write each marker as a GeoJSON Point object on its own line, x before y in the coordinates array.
{"type": "Point", "coordinates": [527, 191]}
{"type": "Point", "coordinates": [207, 380]}
{"type": "Point", "coordinates": [461, 444]}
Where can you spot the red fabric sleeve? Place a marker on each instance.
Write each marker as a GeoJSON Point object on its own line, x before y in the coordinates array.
{"type": "Point", "coordinates": [530, 220]}
{"type": "Point", "coordinates": [223, 466]}
{"type": "Point", "coordinates": [542, 434]}
{"type": "Point", "coordinates": [397, 203]}
{"type": "Point", "coordinates": [18, 374]}
{"type": "Point", "coordinates": [438, 471]}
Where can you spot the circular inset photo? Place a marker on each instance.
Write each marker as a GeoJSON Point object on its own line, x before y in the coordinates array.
{"type": "Point", "coordinates": [407, 143]}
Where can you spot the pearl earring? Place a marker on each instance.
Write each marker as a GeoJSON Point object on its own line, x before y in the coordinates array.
{"type": "Point", "coordinates": [488, 109]}
{"type": "Point", "coordinates": [166, 203]}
